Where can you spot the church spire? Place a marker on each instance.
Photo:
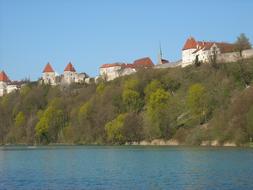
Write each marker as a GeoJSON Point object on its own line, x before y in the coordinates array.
{"type": "Point", "coordinates": [160, 54]}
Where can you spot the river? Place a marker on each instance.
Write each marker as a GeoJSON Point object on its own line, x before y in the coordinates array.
{"type": "Point", "coordinates": [125, 167]}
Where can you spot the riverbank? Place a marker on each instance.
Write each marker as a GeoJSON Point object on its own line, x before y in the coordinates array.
{"type": "Point", "coordinates": [173, 142]}
{"type": "Point", "coordinates": [155, 142]}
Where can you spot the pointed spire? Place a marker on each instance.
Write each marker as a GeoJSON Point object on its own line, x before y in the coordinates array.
{"type": "Point", "coordinates": [48, 68]}
{"type": "Point", "coordinates": [161, 53]}
{"type": "Point", "coordinates": [3, 77]}
{"type": "Point", "coordinates": [70, 67]}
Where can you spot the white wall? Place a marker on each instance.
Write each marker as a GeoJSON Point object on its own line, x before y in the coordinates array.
{"type": "Point", "coordinates": [247, 53]}
{"type": "Point", "coordinates": [49, 78]}
{"type": "Point", "coordinates": [110, 73]}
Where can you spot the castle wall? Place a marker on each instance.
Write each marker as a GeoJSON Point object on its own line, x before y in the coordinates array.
{"type": "Point", "coordinates": [187, 56]}
{"type": "Point", "coordinates": [49, 78]}
{"type": "Point", "coordinates": [247, 53]}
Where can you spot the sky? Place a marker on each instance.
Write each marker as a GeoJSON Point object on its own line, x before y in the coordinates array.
{"type": "Point", "coordinates": [90, 33]}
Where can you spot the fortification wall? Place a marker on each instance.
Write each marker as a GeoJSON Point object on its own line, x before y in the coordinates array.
{"type": "Point", "coordinates": [228, 57]}
{"type": "Point", "coordinates": [247, 53]}
{"type": "Point", "coordinates": [234, 56]}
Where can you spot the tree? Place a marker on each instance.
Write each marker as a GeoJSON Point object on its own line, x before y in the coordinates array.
{"type": "Point", "coordinates": [152, 87]}
{"type": "Point", "coordinates": [132, 129]}
{"type": "Point", "coordinates": [114, 129]}
{"type": "Point", "coordinates": [132, 100]}
{"type": "Point", "coordinates": [156, 116]}
{"type": "Point", "coordinates": [197, 63]}
{"type": "Point", "coordinates": [20, 119]}
{"type": "Point", "coordinates": [49, 125]}
{"type": "Point", "coordinates": [242, 43]}
{"type": "Point", "coordinates": [131, 84]}
{"type": "Point", "coordinates": [196, 101]}
{"type": "Point", "coordinates": [213, 58]}
{"type": "Point", "coordinates": [170, 84]}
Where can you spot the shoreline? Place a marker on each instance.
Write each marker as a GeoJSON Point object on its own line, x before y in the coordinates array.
{"type": "Point", "coordinates": [155, 142]}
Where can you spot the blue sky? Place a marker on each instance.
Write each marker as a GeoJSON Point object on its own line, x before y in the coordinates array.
{"type": "Point", "coordinates": [93, 32]}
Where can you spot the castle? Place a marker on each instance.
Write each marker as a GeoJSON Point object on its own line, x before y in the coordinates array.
{"type": "Point", "coordinates": [111, 71]}
{"type": "Point", "coordinates": [192, 50]}
{"type": "Point", "coordinates": [204, 51]}
{"type": "Point", "coordinates": [7, 86]}
{"type": "Point", "coordinates": [69, 76]}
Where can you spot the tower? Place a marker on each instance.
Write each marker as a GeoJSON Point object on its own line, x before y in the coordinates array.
{"type": "Point", "coordinates": [69, 74]}
{"type": "Point", "coordinates": [48, 75]}
{"type": "Point", "coordinates": [3, 83]}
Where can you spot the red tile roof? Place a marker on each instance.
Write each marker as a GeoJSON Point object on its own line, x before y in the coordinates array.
{"type": "Point", "coordinates": [70, 67]}
{"type": "Point", "coordinates": [111, 65]}
{"type": "Point", "coordinates": [190, 44]}
{"type": "Point", "coordinates": [48, 68]}
{"type": "Point", "coordinates": [224, 47]}
{"type": "Point", "coordinates": [143, 62]}
{"type": "Point", "coordinates": [3, 77]}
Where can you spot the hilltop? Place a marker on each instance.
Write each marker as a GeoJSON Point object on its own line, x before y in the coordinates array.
{"type": "Point", "coordinates": [191, 105]}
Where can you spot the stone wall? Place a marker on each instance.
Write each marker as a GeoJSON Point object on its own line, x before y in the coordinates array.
{"type": "Point", "coordinates": [234, 56]}
{"type": "Point", "coordinates": [247, 53]}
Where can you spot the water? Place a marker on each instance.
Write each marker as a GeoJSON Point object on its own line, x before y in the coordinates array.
{"type": "Point", "coordinates": [105, 167]}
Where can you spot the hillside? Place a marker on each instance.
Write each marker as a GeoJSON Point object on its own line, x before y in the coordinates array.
{"type": "Point", "coordinates": [191, 105]}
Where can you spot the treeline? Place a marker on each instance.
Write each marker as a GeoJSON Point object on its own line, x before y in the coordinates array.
{"type": "Point", "coordinates": [191, 105]}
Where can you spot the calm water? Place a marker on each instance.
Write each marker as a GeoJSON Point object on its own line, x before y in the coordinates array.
{"type": "Point", "coordinates": [99, 167]}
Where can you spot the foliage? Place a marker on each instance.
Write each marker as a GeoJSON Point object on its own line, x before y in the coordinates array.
{"type": "Point", "coordinates": [191, 105]}
{"type": "Point", "coordinates": [114, 129]}
{"type": "Point", "coordinates": [196, 101]}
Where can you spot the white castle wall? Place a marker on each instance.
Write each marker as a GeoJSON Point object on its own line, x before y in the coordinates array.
{"type": "Point", "coordinates": [49, 78]}
{"type": "Point", "coordinates": [187, 56]}
{"type": "Point", "coordinates": [110, 73]}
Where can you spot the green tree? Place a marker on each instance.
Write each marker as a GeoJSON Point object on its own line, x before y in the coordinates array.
{"type": "Point", "coordinates": [156, 117]}
{"type": "Point", "coordinates": [152, 87]}
{"type": "Point", "coordinates": [49, 125]}
{"type": "Point", "coordinates": [20, 119]}
{"type": "Point", "coordinates": [196, 101]}
{"type": "Point", "coordinates": [132, 100]}
{"type": "Point", "coordinates": [131, 84]}
{"type": "Point", "coordinates": [114, 129]}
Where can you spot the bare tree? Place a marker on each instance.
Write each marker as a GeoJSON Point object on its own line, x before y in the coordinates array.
{"type": "Point", "coordinates": [242, 43]}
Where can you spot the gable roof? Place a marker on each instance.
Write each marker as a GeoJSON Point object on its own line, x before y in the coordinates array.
{"type": "Point", "coordinates": [111, 65]}
{"type": "Point", "coordinates": [226, 47]}
{"type": "Point", "coordinates": [3, 77]}
{"type": "Point", "coordinates": [70, 67]}
{"type": "Point", "coordinates": [143, 62]}
{"type": "Point", "coordinates": [190, 44]}
{"type": "Point", "coordinates": [48, 69]}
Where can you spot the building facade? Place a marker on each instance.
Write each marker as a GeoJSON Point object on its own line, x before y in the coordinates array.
{"type": "Point", "coordinates": [68, 77]}
{"type": "Point", "coordinates": [6, 85]}
{"type": "Point", "coordinates": [48, 75]}
{"type": "Point", "coordinates": [204, 50]}
{"type": "Point", "coordinates": [111, 71]}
